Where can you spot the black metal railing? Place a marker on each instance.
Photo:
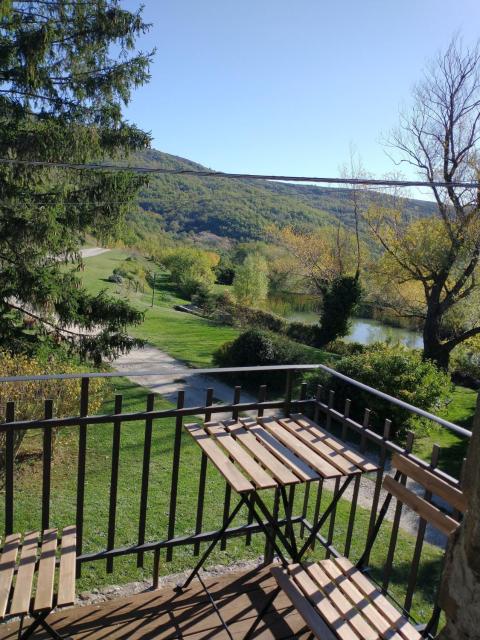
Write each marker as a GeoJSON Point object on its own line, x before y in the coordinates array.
{"type": "Point", "coordinates": [320, 406]}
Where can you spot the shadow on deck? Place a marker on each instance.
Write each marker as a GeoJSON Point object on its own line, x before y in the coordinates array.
{"type": "Point", "coordinates": [164, 614]}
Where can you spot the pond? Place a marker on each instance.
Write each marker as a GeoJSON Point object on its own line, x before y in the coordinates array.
{"type": "Point", "coordinates": [367, 331]}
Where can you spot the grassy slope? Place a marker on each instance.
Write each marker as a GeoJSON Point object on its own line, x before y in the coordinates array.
{"type": "Point", "coordinates": [183, 336]}
{"type": "Point", "coordinates": [28, 501]}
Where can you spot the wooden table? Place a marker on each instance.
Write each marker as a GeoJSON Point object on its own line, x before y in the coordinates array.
{"type": "Point", "coordinates": [275, 453]}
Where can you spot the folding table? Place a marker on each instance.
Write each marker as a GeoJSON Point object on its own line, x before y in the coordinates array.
{"type": "Point", "coordinates": [275, 453]}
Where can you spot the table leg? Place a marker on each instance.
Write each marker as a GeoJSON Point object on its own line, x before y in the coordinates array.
{"type": "Point", "coordinates": [213, 544]}
{"type": "Point", "coordinates": [324, 517]}
{"type": "Point", "coordinates": [288, 508]}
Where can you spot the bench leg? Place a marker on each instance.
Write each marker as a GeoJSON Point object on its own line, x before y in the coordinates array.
{"type": "Point", "coordinates": [39, 620]}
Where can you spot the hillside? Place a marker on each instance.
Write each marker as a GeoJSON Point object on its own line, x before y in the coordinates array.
{"type": "Point", "coordinates": [236, 209]}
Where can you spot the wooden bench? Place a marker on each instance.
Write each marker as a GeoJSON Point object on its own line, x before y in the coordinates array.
{"type": "Point", "coordinates": [35, 556]}
{"type": "Point", "coordinates": [335, 599]}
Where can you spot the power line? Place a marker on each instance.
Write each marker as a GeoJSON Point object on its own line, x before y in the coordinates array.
{"type": "Point", "coordinates": [373, 182]}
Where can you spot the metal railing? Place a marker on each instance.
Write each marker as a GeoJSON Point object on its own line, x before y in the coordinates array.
{"type": "Point", "coordinates": [320, 406]}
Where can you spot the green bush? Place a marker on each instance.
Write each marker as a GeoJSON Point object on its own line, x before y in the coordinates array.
{"type": "Point", "coordinates": [257, 347]}
{"type": "Point", "coordinates": [304, 333]}
{"type": "Point", "coordinates": [342, 348]}
{"type": "Point", "coordinates": [339, 303]}
{"type": "Point", "coordinates": [395, 370]}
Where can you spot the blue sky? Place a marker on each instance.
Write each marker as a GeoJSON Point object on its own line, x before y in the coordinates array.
{"type": "Point", "coordinates": [282, 86]}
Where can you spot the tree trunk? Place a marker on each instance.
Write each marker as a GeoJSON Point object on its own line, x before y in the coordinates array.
{"type": "Point", "coordinates": [460, 590]}
{"type": "Point", "coordinates": [433, 348]}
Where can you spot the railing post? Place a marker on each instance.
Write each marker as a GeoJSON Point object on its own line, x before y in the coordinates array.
{"type": "Point", "coordinates": [9, 467]}
{"type": "Point", "coordinates": [147, 447]}
{"type": "Point", "coordinates": [82, 452]}
{"type": "Point", "coordinates": [175, 470]}
{"type": "Point", "coordinates": [112, 511]}
{"type": "Point", "coordinates": [288, 393]}
{"type": "Point", "coordinates": [47, 466]}
{"type": "Point", "coordinates": [202, 476]}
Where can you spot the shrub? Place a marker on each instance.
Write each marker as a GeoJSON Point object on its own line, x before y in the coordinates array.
{"type": "Point", "coordinates": [465, 359]}
{"type": "Point", "coordinates": [304, 333]}
{"type": "Point", "coordinates": [190, 268]}
{"type": "Point", "coordinates": [342, 348]}
{"type": "Point", "coordinates": [29, 396]}
{"type": "Point", "coordinates": [395, 370]}
{"type": "Point", "coordinates": [257, 347]}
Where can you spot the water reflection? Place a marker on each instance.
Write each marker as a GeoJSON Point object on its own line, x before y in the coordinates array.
{"type": "Point", "coordinates": [368, 331]}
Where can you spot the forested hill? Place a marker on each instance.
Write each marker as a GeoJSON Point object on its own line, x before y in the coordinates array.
{"type": "Point", "coordinates": [239, 209]}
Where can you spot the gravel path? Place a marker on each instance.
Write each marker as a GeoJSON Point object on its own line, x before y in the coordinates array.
{"type": "Point", "coordinates": [174, 375]}
{"type": "Point", "coordinates": [92, 251]}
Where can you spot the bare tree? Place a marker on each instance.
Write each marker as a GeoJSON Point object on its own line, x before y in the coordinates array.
{"type": "Point", "coordinates": [439, 136]}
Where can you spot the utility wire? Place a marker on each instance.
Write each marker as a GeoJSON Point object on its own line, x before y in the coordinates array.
{"type": "Point", "coordinates": [374, 182]}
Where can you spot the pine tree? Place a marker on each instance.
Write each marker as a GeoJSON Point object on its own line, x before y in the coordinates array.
{"type": "Point", "coordinates": [66, 69]}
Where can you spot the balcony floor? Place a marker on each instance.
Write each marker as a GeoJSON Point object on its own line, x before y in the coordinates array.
{"type": "Point", "coordinates": [164, 614]}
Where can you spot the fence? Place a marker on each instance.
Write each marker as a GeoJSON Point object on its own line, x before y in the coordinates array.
{"type": "Point", "coordinates": [320, 406]}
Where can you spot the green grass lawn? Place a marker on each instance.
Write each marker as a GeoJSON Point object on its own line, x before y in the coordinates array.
{"type": "Point", "coordinates": [183, 336]}
{"type": "Point", "coordinates": [28, 502]}
{"type": "Point", "coordinates": [460, 411]}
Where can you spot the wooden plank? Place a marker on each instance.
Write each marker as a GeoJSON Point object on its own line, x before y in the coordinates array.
{"type": "Point", "coordinates": [306, 435]}
{"type": "Point", "coordinates": [279, 471]}
{"type": "Point", "coordinates": [424, 509]}
{"type": "Point", "coordinates": [323, 604]}
{"type": "Point", "coordinates": [360, 601]}
{"type": "Point", "coordinates": [347, 610]}
{"type": "Point", "coordinates": [228, 470]}
{"type": "Point", "coordinates": [430, 481]}
{"type": "Point", "coordinates": [26, 568]}
{"type": "Point", "coordinates": [300, 449]}
{"type": "Point", "coordinates": [46, 571]}
{"type": "Point", "coordinates": [406, 630]}
{"type": "Point", "coordinates": [295, 464]}
{"type": "Point", "coordinates": [68, 556]}
{"type": "Point", "coordinates": [324, 436]}
{"type": "Point", "coordinates": [314, 621]}
{"type": "Point", "coordinates": [7, 567]}
{"type": "Point", "coordinates": [260, 478]}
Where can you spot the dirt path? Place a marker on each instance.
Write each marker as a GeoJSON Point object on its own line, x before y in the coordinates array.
{"type": "Point", "coordinates": [92, 251]}
{"type": "Point", "coordinates": [174, 375]}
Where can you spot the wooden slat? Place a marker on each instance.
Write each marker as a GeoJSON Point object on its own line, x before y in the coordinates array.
{"type": "Point", "coordinates": [335, 444]}
{"type": "Point", "coordinates": [340, 602]}
{"type": "Point", "coordinates": [7, 567]}
{"type": "Point", "coordinates": [46, 572]}
{"type": "Point", "coordinates": [406, 630]}
{"type": "Point", "coordinates": [325, 469]}
{"type": "Point", "coordinates": [310, 439]}
{"type": "Point", "coordinates": [323, 604]}
{"type": "Point", "coordinates": [425, 510]}
{"type": "Point", "coordinates": [278, 470]}
{"type": "Point", "coordinates": [295, 464]}
{"type": "Point", "coordinates": [260, 478]}
{"type": "Point", "coordinates": [430, 481]}
{"type": "Point", "coordinates": [26, 568]}
{"type": "Point", "coordinates": [229, 471]}
{"type": "Point", "coordinates": [68, 555]}
{"type": "Point", "coordinates": [375, 618]}
{"type": "Point", "coordinates": [314, 621]}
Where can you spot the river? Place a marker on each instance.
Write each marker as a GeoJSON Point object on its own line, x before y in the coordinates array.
{"type": "Point", "coordinates": [367, 331]}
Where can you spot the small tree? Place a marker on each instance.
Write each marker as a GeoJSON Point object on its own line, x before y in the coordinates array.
{"type": "Point", "coordinates": [433, 264]}
{"type": "Point", "coordinates": [250, 284]}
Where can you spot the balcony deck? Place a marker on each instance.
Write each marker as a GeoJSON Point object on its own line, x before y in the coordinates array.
{"type": "Point", "coordinates": [163, 614]}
